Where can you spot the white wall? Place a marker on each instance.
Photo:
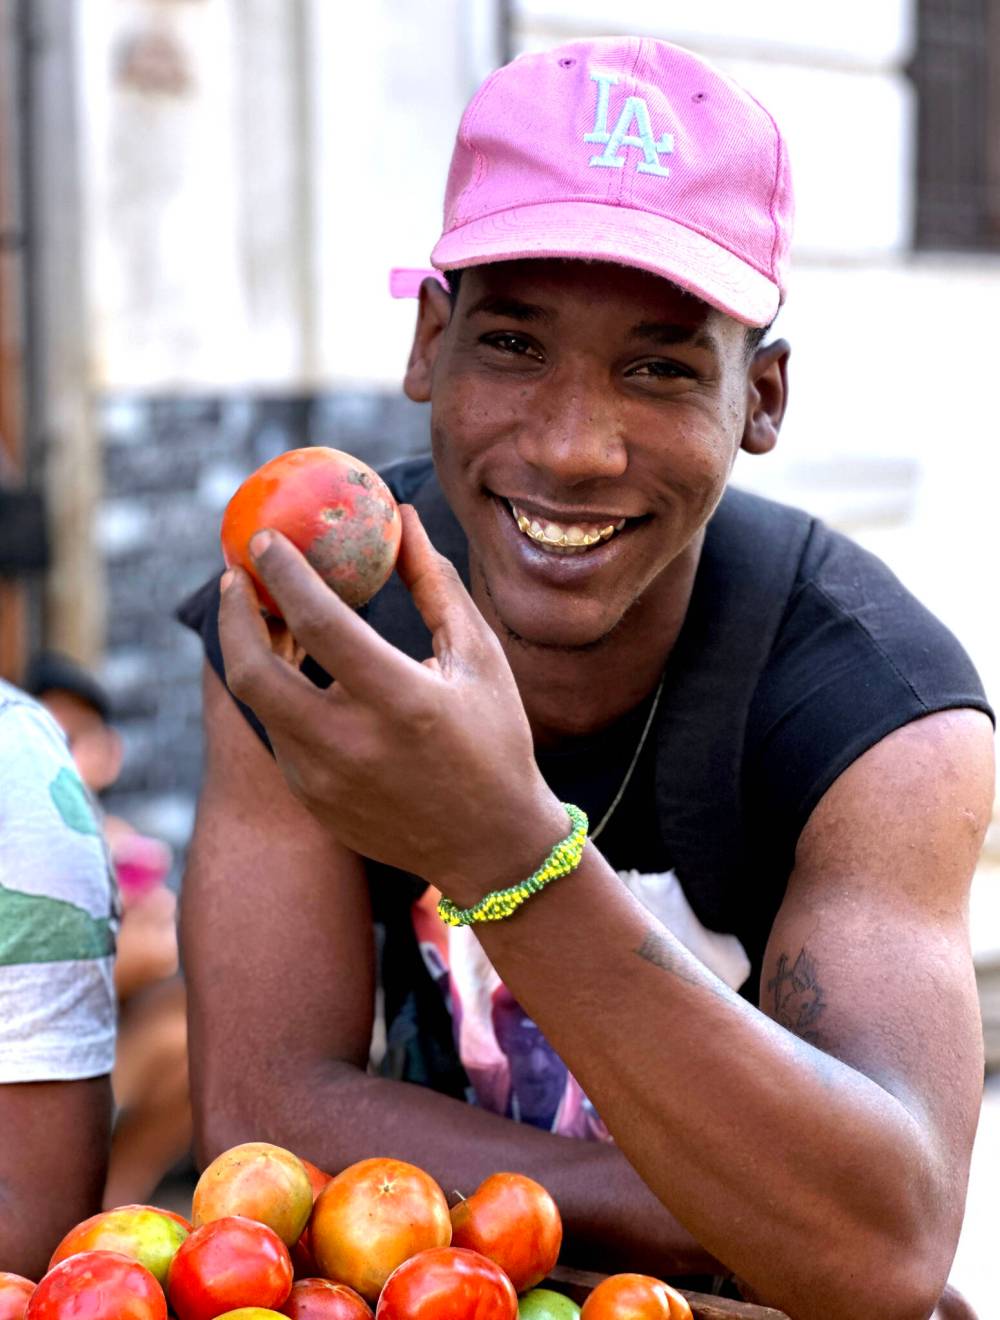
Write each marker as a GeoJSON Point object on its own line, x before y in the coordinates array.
{"type": "Point", "coordinates": [389, 79]}
{"type": "Point", "coordinates": [852, 33]}
{"type": "Point", "coordinates": [168, 300]}
{"type": "Point", "coordinates": [253, 170]}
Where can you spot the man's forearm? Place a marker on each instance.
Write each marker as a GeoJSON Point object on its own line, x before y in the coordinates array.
{"type": "Point", "coordinates": [785, 1160]}
{"type": "Point", "coordinates": [611, 1219]}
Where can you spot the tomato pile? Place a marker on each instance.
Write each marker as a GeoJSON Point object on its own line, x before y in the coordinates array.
{"type": "Point", "coordinates": [271, 1235]}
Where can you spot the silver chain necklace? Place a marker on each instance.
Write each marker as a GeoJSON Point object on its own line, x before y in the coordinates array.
{"type": "Point", "coordinates": [635, 759]}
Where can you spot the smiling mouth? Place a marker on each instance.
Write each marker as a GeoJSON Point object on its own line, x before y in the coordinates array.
{"type": "Point", "coordinates": [564, 538]}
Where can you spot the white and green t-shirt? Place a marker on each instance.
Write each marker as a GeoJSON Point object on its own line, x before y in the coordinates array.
{"type": "Point", "coordinates": [58, 907]}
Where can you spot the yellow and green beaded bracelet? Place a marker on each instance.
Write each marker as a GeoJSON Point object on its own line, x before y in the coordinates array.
{"type": "Point", "coordinates": [503, 903]}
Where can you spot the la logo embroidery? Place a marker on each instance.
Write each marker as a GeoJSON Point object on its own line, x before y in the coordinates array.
{"type": "Point", "coordinates": [634, 111]}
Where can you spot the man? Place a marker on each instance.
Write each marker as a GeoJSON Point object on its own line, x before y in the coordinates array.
{"type": "Point", "coordinates": [786, 762]}
{"type": "Point", "coordinates": [58, 918]}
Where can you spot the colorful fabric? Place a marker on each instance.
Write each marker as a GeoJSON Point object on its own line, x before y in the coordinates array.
{"type": "Point", "coordinates": [511, 1067]}
{"type": "Point", "coordinates": [58, 907]}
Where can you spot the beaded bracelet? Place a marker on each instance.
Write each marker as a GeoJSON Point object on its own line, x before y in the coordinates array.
{"type": "Point", "coordinates": [502, 903]}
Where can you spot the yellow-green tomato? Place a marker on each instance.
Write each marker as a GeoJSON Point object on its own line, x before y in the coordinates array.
{"type": "Point", "coordinates": [544, 1304]}
{"type": "Point", "coordinates": [252, 1313]}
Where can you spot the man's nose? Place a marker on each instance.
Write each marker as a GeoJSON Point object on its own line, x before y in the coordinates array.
{"type": "Point", "coordinates": [575, 433]}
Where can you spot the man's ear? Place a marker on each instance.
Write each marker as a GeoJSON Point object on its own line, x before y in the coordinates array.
{"type": "Point", "coordinates": [433, 314]}
{"type": "Point", "coordinates": [767, 396]}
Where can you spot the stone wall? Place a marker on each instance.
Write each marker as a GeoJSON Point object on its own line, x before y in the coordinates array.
{"type": "Point", "coordinates": [170, 465]}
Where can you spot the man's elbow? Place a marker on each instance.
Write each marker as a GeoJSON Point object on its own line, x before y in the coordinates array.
{"type": "Point", "coordinates": [286, 1113]}
{"type": "Point", "coordinates": [216, 1130]}
{"type": "Point", "coordinates": [908, 1290]}
{"type": "Point", "coordinates": [891, 1280]}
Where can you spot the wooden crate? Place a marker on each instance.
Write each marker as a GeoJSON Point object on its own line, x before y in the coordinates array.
{"type": "Point", "coordinates": [578, 1283]}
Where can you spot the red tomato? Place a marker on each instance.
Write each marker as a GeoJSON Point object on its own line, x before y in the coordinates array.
{"type": "Point", "coordinates": [336, 509]}
{"type": "Point", "coordinates": [258, 1181]}
{"type": "Point", "coordinates": [303, 1260]}
{"type": "Point", "coordinates": [513, 1220]}
{"type": "Point", "coordinates": [635, 1297]}
{"type": "Point", "coordinates": [137, 1231]}
{"type": "Point", "coordinates": [98, 1285]}
{"type": "Point", "coordinates": [15, 1290]}
{"type": "Point", "coordinates": [227, 1264]}
{"type": "Point", "coordinates": [322, 1299]}
{"type": "Point", "coordinates": [447, 1283]}
{"type": "Point", "coordinates": [372, 1217]}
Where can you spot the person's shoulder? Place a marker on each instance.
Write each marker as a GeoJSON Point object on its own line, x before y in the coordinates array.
{"type": "Point", "coordinates": [856, 656]}
{"type": "Point", "coordinates": [840, 582]}
{"type": "Point", "coordinates": [834, 579]}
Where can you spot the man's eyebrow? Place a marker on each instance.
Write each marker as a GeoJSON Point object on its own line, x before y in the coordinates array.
{"type": "Point", "coordinates": [669, 334]}
{"type": "Point", "coordinates": [498, 304]}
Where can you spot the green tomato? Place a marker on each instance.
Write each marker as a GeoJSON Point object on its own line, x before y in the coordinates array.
{"type": "Point", "coordinates": [544, 1304]}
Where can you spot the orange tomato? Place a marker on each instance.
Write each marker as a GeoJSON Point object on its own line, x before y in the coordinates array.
{"type": "Point", "coordinates": [336, 509]}
{"type": "Point", "coordinates": [373, 1216]}
{"type": "Point", "coordinates": [515, 1222]}
{"type": "Point", "coordinates": [635, 1297]}
{"type": "Point", "coordinates": [15, 1290]}
{"type": "Point", "coordinates": [258, 1181]}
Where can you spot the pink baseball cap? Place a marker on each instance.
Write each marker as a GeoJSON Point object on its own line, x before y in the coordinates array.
{"type": "Point", "coordinates": [628, 150]}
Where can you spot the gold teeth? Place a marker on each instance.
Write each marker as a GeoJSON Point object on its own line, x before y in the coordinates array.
{"type": "Point", "coordinates": [571, 538]}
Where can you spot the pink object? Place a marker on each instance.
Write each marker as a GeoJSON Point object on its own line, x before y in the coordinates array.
{"type": "Point", "coordinates": [140, 863]}
{"type": "Point", "coordinates": [405, 282]}
{"type": "Point", "coordinates": [628, 150]}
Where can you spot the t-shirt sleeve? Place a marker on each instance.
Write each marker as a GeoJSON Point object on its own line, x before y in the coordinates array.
{"type": "Point", "coordinates": [58, 910]}
{"type": "Point", "coordinates": [857, 657]}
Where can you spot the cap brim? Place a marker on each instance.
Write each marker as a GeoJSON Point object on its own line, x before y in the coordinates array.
{"type": "Point", "coordinates": [593, 231]}
{"type": "Point", "coordinates": [405, 281]}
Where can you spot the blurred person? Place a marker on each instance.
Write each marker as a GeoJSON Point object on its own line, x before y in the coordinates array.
{"type": "Point", "coordinates": [752, 971]}
{"type": "Point", "coordinates": [152, 1129]}
{"type": "Point", "coordinates": [58, 921]}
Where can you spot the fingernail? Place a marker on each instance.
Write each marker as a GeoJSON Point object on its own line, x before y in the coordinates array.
{"type": "Point", "coordinates": [259, 543]}
{"type": "Point", "coordinates": [226, 581]}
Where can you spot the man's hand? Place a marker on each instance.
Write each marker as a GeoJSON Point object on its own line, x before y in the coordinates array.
{"type": "Point", "coordinates": [421, 766]}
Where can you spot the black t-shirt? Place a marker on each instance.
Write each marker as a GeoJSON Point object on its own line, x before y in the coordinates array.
{"type": "Point", "coordinates": [799, 651]}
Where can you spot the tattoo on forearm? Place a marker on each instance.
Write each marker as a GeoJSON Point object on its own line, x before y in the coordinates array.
{"type": "Point", "coordinates": [797, 995]}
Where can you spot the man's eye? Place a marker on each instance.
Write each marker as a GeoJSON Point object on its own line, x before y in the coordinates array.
{"type": "Point", "coordinates": [662, 369]}
{"type": "Point", "coordinates": [507, 342]}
